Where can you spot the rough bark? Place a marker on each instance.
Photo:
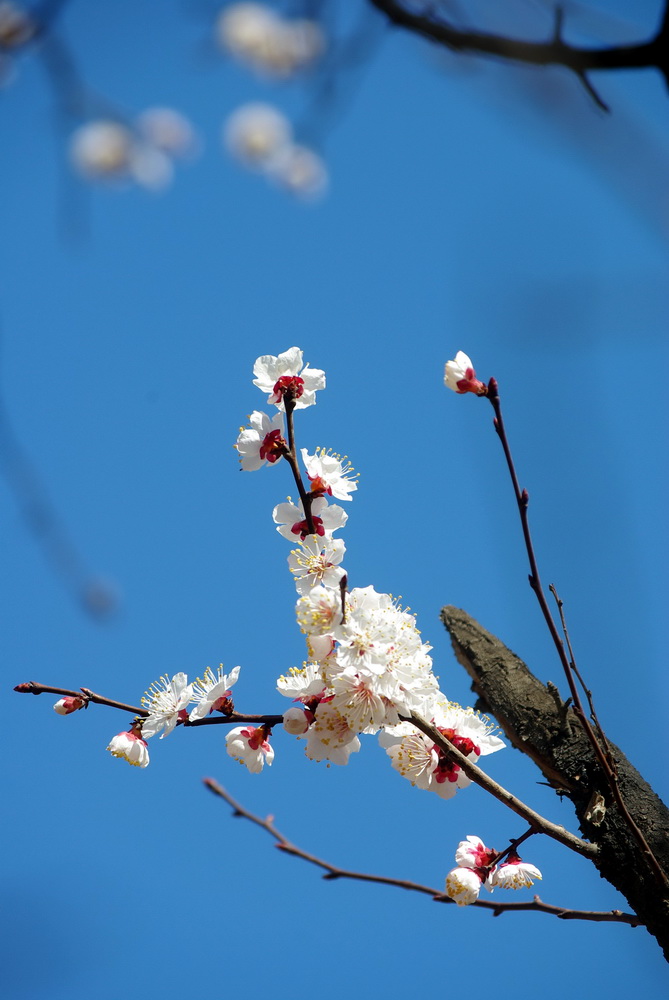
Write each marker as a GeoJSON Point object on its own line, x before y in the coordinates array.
{"type": "Point", "coordinates": [538, 723]}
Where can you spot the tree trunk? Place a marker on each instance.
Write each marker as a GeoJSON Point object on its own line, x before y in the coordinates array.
{"type": "Point", "coordinates": [538, 723]}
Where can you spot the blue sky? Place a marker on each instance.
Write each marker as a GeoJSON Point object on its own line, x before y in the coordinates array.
{"type": "Point", "coordinates": [476, 207]}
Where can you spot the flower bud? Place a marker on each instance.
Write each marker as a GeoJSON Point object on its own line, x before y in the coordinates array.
{"type": "Point", "coordinates": [65, 706]}
{"type": "Point", "coordinates": [296, 721]}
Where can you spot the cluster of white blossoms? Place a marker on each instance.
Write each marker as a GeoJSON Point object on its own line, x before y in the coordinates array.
{"type": "Point", "coordinates": [260, 137]}
{"type": "Point", "coordinates": [477, 867]}
{"type": "Point", "coordinates": [267, 42]}
{"type": "Point", "coordinates": [368, 668]}
{"type": "Point", "coordinates": [142, 151]}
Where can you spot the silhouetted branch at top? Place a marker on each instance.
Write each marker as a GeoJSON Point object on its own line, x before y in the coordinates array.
{"type": "Point", "coordinates": [653, 53]}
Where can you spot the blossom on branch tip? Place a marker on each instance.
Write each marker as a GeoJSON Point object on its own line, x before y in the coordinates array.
{"type": "Point", "coordinates": [166, 701]}
{"type": "Point", "coordinates": [328, 474]}
{"type": "Point", "coordinates": [285, 375]}
{"type": "Point", "coordinates": [514, 874]}
{"type": "Point", "coordinates": [131, 747]}
{"type": "Point", "coordinates": [212, 692]}
{"type": "Point", "coordinates": [250, 746]}
{"type": "Point", "coordinates": [460, 376]}
{"type": "Point", "coordinates": [463, 886]}
{"type": "Point", "coordinates": [263, 442]}
{"type": "Point", "coordinates": [291, 521]}
{"type": "Point", "coordinates": [66, 706]}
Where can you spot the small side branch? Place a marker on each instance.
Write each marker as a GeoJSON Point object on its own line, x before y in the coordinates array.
{"type": "Point", "coordinates": [333, 872]}
{"type": "Point", "coordinates": [553, 52]}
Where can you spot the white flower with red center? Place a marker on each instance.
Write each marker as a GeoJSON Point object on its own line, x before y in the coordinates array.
{"type": "Point", "coordinates": [356, 700]}
{"type": "Point", "coordinates": [463, 886]}
{"type": "Point", "coordinates": [328, 474]}
{"type": "Point", "coordinates": [472, 734]}
{"type": "Point", "coordinates": [317, 562]}
{"type": "Point", "coordinates": [330, 738]}
{"type": "Point", "coordinates": [292, 522]}
{"type": "Point", "coordinates": [131, 747]}
{"type": "Point", "coordinates": [212, 692]}
{"type": "Point", "coordinates": [319, 611]}
{"type": "Point", "coordinates": [263, 442]}
{"type": "Point", "coordinates": [460, 376]}
{"type": "Point", "coordinates": [514, 874]}
{"type": "Point", "coordinates": [166, 701]}
{"type": "Point", "coordinates": [65, 706]}
{"type": "Point", "coordinates": [250, 746]}
{"type": "Point", "coordinates": [285, 376]}
{"type": "Point", "coordinates": [303, 683]}
{"type": "Point", "coordinates": [296, 721]}
{"type": "Point", "coordinates": [472, 853]}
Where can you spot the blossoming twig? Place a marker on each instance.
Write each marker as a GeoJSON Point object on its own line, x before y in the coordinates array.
{"type": "Point", "coordinates": [540, 823]}
{"type": "Point", "coordinates": [334, 872]}
{"type": "Point", "coordinates": [32, 687]}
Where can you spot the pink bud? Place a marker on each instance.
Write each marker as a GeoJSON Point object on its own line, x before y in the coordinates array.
{"type": "Point", "coordinates": [65, 706]}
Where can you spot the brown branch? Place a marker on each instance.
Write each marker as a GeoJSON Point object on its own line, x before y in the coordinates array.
{"type": "Point", "coordinates": [546, 730]}
{"type": "Point", "coordinates": [538, 822]}
{"type": "Point", "coordinates": [334, 872]}
{"type": "Point", "coordinates": [555, 51]}
{"type": "Point", "coordinates": [32, 687]}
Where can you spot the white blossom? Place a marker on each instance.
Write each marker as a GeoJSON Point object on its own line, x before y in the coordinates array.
{"type": "Point", "coordinates": [211, 690]}
{"type": "Point", "coordinates": [131, 747]}
{"type": "Point", "coordinates": [250, 746]}
{"type": "Point", "coordinates": [319, 611]}
{"type": "Point", "coordinates": [267, 42]}
{"type": "Point", "coordinates": [263, 442]}
{"type": "Point", "coordinates": [255, 133]}
{"type": "Point", "coordinates": [164, 700]}
{"type": "Point", "coordinates": [299, 170]}
{"type": "Point", "coordinates": [472, 853]}
{"type": "Point", "coordinates": [291, 521]}
{"type": "Point", "coordinates": [514, 874]}
{"type": "Point", "coordinates": [329, 474]}
{"type": "Point", "coordinates": [301, 682]}
{"type": "Point", "coordinates": [463, 886]}
{"type": "Point", "coordinates": [277, 374]}
{"type": "Point", "coordinates": [330, 738]}
{"type": "Point", "coordinates": [317, 562]}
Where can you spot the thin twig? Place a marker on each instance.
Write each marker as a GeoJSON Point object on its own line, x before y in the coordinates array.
{"type": "Point", "coordinates": [522, 500]}
{"type": "Point", "coordinates": [334, 872]}
{"type": "Point", "coordinates": [232, 718]}
{"type": "Point", "coordinates": [291, 458]}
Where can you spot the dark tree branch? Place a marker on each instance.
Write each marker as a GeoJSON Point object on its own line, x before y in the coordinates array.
{"type": "Point", "coordinates": [538, 724]}
{"type": "Point", "coordinates": [554, 52]}
{"type": "Point", "coordinates": [334, 872]}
